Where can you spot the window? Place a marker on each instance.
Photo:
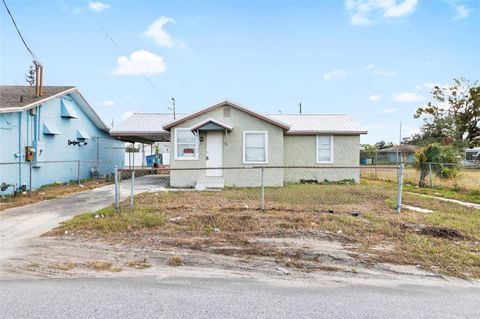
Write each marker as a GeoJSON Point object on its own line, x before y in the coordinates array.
{"type": "Point", "coordinates": [186, 144]}
{"type": "Point", "coordinates": [325, 149]}
{"type": "Point", "coordinates": [255, 147]}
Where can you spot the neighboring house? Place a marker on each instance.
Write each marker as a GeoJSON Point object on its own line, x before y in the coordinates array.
{"type": "Point", "coordinates": [230, 135]}
{"type": "Point", "coordinates": [404, 153]}
{"type": "Point", "coordinates": [472, 155]}
{"type": "Point", "coordinates": [58, 126]}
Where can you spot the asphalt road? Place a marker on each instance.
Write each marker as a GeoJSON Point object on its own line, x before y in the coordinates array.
{"type": "Point", "coordinates": [227, 298]}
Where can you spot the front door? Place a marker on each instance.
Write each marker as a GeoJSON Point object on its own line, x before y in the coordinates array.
{"type": "Point", "coordinates": [214, 153]}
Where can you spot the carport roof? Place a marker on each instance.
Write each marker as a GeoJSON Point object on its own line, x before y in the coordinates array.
{"type": "Point", "coordinates": [144, 127]}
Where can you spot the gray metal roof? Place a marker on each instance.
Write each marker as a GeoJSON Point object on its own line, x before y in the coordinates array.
{"type": "Point", "coordinates": [144, 123]}
{"type": "Point", "coordinates": [301, 124]}
{"type": "Point", "coordinates": [16, 97]}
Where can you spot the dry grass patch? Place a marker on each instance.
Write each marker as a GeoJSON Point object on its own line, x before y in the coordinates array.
{"type": "Point", "coordinates": [65, 266]}
{"type": "Point", "coordinates": [138, 264]}
{"type": "Point", "coordinates": [228, 222]}
{"type": "Point", "coordinates": [175, 261]}
{"type": "Point", "coordinates": [99, 265]}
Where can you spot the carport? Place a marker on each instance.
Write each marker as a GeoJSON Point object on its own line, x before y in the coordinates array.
{"type": "Point", "coordinates": [144, 128]}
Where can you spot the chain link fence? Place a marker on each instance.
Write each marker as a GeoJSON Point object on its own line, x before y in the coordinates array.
{"type": "Point", "coordinates": [318, 189]}
{"type": "Point", "coordinates": [433, 175]}
{"type": "Point", "coordinates": [20, 177]}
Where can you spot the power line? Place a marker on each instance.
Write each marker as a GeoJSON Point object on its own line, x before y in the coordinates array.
{"type": "Point", "coordinates": [19, 33]}
{"type": "Point", "coordinates": [107, 35]}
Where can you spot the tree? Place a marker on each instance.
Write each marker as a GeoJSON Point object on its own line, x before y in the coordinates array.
{"type": "Point", "coordinates": [382, 144]}
{"type": "Point", "coordinates": [454, 114]}
{"type": "Point", "coordinates": [441, 160]}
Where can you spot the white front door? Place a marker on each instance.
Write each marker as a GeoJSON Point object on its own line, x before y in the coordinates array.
{"type": "Point", "coordinates": [214, 153]}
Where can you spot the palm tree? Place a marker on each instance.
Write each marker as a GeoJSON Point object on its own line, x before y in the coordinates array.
{"type": "Point", "coordinates": [441, 160]}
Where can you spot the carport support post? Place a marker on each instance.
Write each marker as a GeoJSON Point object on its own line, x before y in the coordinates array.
{"type": "Point", "coordinates": [132, 188]}
{"type": "Point", "coordinates": [400, 188]}
{"type": "Point", "coordinates": [117, 191]}
{"type": "Point", "coordinates": [262, 203]}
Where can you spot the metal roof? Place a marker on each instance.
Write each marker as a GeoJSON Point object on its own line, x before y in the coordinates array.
{"type": "Point", "coordinates": [145, 123]}
{"type": "Point", "coordinates": [304, 124]}
{"type": "Point", "coordinates": [402, 148]}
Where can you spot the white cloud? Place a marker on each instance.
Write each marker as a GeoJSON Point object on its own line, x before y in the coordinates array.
{"type": "Point", "coordinates": [98, 6]}
{"type": "Point", "coordinates": [461, 12]}
{"type": "Point", "coordinates": [388, 111]}
{"type": "Point", "coordinates": [374, 98]}
{"type": "Point", "coordinates": [140, 62]}
{"type": "Point", "coordinates": [156, 32]}
{"type": "Point", "coordinates": [367, 12]}
{"type": "Point", "coordinates": [108, 103]}
{"type": "Point", "coordinates": [335, 74]}
{"type": "Point", "coordinates": [407, 97]}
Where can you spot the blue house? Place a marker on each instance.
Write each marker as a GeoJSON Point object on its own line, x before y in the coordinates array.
{"type": "Point", "coordinates": [51, 137]}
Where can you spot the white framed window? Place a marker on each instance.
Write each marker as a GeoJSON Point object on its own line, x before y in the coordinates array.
{"type": "Point", "coordinates": [255, 147]}
{"type": "Point", "coordinates": [324, 149]}
{"type": "Point", "coordinates": [186, 144]}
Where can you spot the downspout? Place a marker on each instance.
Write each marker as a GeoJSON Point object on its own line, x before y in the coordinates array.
{"type": "Point", "coordinates": [19, 149]}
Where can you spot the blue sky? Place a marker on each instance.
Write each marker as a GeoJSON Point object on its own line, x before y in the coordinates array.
{"type": "Point", "coordinates": [373, 59]}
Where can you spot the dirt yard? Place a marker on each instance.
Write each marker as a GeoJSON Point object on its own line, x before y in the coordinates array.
{"type": "Point", "coordinates": [305, 229]}
{"type": "Point", "coordinates": [49, 192]}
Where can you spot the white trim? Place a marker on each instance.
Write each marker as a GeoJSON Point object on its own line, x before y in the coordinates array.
{"type": "Point", "coordinates": [182, 158]}
{"type": "Point", "coordinates": [331, 161]}
{"type": "Point", "coordinates": [266, 147]}
{"type": "Point", "coordinates": [211, 120]}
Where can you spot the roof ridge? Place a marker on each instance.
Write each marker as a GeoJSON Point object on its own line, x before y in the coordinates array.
{"type": "Point", "coordinates": [308, 114]}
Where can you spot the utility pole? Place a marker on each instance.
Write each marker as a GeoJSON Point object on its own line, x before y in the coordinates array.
{"type": "Point", "coordinates": [300, 107]}
{"type": "Point", "coordinates": [173, 108]}
{"type": "Point", "coordinates": [399, 143]}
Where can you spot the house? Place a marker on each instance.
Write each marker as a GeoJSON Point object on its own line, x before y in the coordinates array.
{"type": "Point", "coordinates": [55, 135]}
{"type": "Point", "coordinates": [404, 153]}
{"type": "Point", "coordinates": [231, 135]}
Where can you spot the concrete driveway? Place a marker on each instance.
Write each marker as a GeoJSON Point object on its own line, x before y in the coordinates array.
{"type": "Point", "coordinates": [20, 226]}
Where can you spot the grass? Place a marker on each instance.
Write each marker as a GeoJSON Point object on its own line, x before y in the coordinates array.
{"type": "Point", "coordinates": [466, 187]}
{"type": "Point", "coordinates": [467, 181]}
{"type": "Point", "coordinates": [49, 192]}
{"type": "Point", "coordinates": [175, 261]}
{"type": "Point", "coordinates": [228, 222]}
{"type": "Point", "coordinates": [65, 266]}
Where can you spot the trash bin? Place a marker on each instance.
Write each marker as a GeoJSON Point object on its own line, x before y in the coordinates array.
{"type": "Point", "coordinates": [150, 159]}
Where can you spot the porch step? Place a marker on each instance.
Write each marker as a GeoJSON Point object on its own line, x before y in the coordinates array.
{"type": "Point", "coordinates": [203, 186]}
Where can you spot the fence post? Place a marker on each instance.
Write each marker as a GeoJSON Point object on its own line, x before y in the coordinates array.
{"type": "Point", "coordinates": [132, 188]}
{"type": "Point", "coordinates": [262, 200]}
{"type": "Point", "coordinates": [30, 179]}
{"type": "Point", "coordinates": [400, 188]}
{"type": "Point", "coordinates": [78, 172]}
{"type": "Point", "coordinates": [117, 189]}
{"type": "Point", "coordinates": [430, 173]}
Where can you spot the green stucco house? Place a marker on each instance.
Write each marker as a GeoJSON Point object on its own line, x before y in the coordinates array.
{"type": "Point", "coordinates": [223, 140]}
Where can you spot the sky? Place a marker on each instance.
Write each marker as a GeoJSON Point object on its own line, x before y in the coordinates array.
{"type": "Point", "coordinates": [376, 60]}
